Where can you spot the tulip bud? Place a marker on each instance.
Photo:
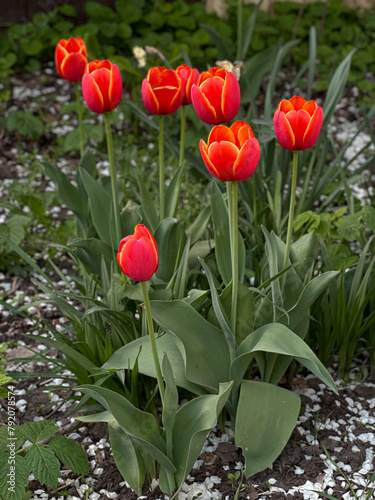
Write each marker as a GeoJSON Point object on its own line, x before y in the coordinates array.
{"type": "Point", "coordinates": [71, 59]}
{"type": "Point", "coordinates": [162, 91]}
{"type": "Point", "coordinates": [102, 86]}
{"type": "Point", "coordinates": [189, 76]}
{"type": "Point", "coordinates": [216, 96]}
{"type": "Point", "coordinates": [138, 255]}
{"type": "Point", "coordinates": [231, 153]}
{"type": "Point", "coordinates": [297, 123]}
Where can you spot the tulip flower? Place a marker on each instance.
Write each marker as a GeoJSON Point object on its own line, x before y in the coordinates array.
{"type": "Point", "coordinates": [231, 153]}
{"type": "Point", "coordinates": [297, 123]}
{"type": "Point", "coordinates": [138, 258]}
{"type": "Point", "coordinates": [71, 59]}
{"type": "Point", "coordinates": [216, 96]}
{"type": "Point", "coordinates": [162, 91]}
{"type": "Point", "coordinates": [189, 76]}
{"type": "Point", "coordinates": [138, 254]}
{"type": "Point", "coordinates": [102, 86]}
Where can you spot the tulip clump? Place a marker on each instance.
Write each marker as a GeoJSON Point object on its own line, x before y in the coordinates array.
{"type": "Point", "coordinates": [102, 86]}
{"type": "Point", "coordinates": [297, 123]}
{"type": "Point", "coordinates": [216, 96]}
{"type": "Point", "coordinates": [231, 153]}
{"type": "Point", "coordinates": [71, 59]}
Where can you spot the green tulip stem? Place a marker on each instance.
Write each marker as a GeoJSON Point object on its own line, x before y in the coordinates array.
{"type": "Point", "coordinates": [291, 209]}
{"type": "Point", "coordinates": [239, 29]}
{"type": "Point", "coordinates": [80, 122]}
{"type": "Point", "coordinates": [182, 134]}
{"type": "Point", "coordinates": [151, 332]}
{"type": "Point", "coordinates": [112, 169]}
{"type": "Point", "coordinates": [233, 230]}
{"type": "Point", "coordinates": [161, 167]}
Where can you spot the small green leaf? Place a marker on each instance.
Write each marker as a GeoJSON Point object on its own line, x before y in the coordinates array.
{"type": "Point", "coordinates": [21, 474]}
{"type": "Point", "coordinates": [42, 462]}
{"type": "Point", "coordinates": [27, 124]}
{"type": "Point", "coordinates": [37, 431]}
{"type": "Point", "coordinates": [70, 453]}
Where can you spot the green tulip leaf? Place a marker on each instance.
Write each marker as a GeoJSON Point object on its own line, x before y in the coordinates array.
{"type": "Point", "coordinates": [304, 251]}
{"type": "Point", "coordinates": [265, 419]}
{"type": "Point", "coordinates": [166, 343]}
{"type": "Point", "coordinates": [170, 239]}
{"type": "Point", "coordinates": [139, 425]}
{"type": "Point", "coordinates": [205, 366]}
{"type": "Point", "coordinates": [193, 423]}
{"type": "Point", "coordinates": [91, 251]}
{"type": "Point", "coordinates": [278, 339]}
{"type": "Point", "coordinates": [100, 206]}
{"type": "Point", "coordinates": [172, 193]}
{"type": "Point", "coordinates": [222, 240]}
{"type": "Point", "coordinates": [127, 457]}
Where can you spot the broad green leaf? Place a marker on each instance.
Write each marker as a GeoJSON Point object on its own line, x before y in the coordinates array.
{"type": "Point", "coordinates": [92, 252]}
{"type": "Point", "coordinates": [21, 471]}
{"type": "Point", "coordinates": [127, 457]}
{"type": "Point", "coordinates": [265, 419]}
{"type": "Point", "coordinates": [10, 432]}
{"type": "Point", "coordinates": [100, 206]}
{"type": "Point", "coordinates": [205, 366]}
{"type": "Point", "coordinates": [168, 343]}
{"type": "Point", "coordinates": [26, 123]}
{"type": "Point", "coordinates": [171, 239]}
{"type": "Point", "coordinates": [68, 193]}
{"type": "Point", "coordinates": [199, 225]}
{"type": "Point", "coordinates": [44, 465]}
{"type": "Point", "coordinates": [222, 240]}
{"type": "Point", "coordinates": [304, 251]}
{"type": "Point", "coordinates": [102, 416]}
{"type": "Point", "coordinates": [130, 217]}
{"type": "Point", "coordinates": [71, 454]}
{"type": "Point", "coordinates": [245, 310]}
{"type": "Point", "coordinates": [278, 339]}
{"type": "Point", "coordinates": [148, 209]}
{"type": "Point", "coordinates": [192, 425]}
{"type": "Point", "coordinates": [180, 281]}
{"type": "Point", "coordinates": [139, 425]}
{"type": "Point", "coordinates": [172, 193]}
{"type": "Point", "coordinates": [37, 431]}
{"type": "Point", "coordinates": [200, 250]}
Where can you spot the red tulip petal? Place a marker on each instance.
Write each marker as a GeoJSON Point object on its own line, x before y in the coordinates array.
{"type": "Point", "coordinates": [310, 107]}
{"type": "Point", "coordinates": [149, 100]}
{"type": "Point", "coordinates": [60, 54]}
{"type": "Point", "coordinates": [230, 98]}
{"type": "Point", "coordinates": [169, 99]}
{"type": "Point", "coordinates": [283, 130]}
{"type": "Point", "coordinates": [102, 77]}
{"type": "Point", "coordinates": [142, 231]}
{"type": "Point", "coordinates": [72, 45]}
{"type": "Point", "coordinates": [73, 67]}
{"type": "Point", "coordinates": [210, 166]}
{"type": "Point", "coordinates": [202, 106]}
{"type": "Point", "coordinates": [313, 129]}
{"type": "Point", "coordinates": [299, 121]}
{"type": "Point", "coordinates": [212, 90]}
{"type": "Point", "coordinates": [298, 102]}
{"type": "Point", "coordinates": [92, 94]}
{"type": "Point", "coordinates": [242, 132]}
{"type": "Point", "coordinates": [115, 87]}
{"type": "Point", "coordinates": [221, 133]}
{"type": "Point", "coordinates": [223, 155]}
{"type": "Point", "coordinates": [285, 106]}
{"type": "Point", "coordinates": [247, 160]}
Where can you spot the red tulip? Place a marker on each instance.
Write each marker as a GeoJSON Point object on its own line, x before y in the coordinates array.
{"type": "Point", "coordinates": [297, 123]}
{"type": "Point", "coordinates": [138, 255]}
{"type": "Point", "coordinates": [216, 96]}
{"type": "Point", "coordinates": [162, 91]}
{"type": "Point", "coordinates": [71, 59]}
{"type": "Point", "coordinates": [189, 76]}
{"type": "Point", "coordinates": [102, 86]}
{"type": "Point", "coordinates": [231, 153]}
